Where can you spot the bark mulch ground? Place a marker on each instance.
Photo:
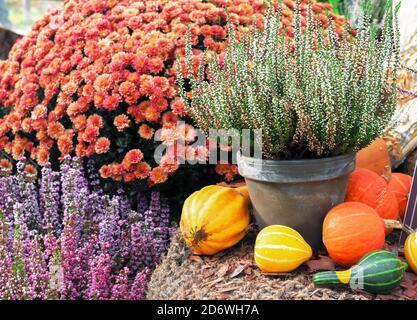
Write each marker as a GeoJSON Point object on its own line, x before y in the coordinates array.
{"type": "Point", "coordinates": [232, 274]}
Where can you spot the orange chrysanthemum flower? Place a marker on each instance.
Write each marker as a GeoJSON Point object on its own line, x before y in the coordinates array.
{"type": "Point", "coordinates": [103, 83]}
{"type": "Point", "coordinates": [169, 164]}
{"type": "Point", "coordinates": [142, 170]}
{"type": "Point", "coordinates": [55, 130]}
{"type": "Point", "coordinates": [6, 167]}
{"type": "Point", "coordinates": [152, 113]}
{"type": "Point", "coordinates": [102, 145]}
{"type": "Point", "coordinates": [95, 120]}
{"type": "Point", "coordinates": [146, 132]}
{"type": "Point", "coordinates": [187, 133]}
{"type": "Point", "coordinates": [169, 119]}
{"type": "Point", "coordinates": [91, 133]}
{"type": "Point", "coordinates": [129, 177]}
{"type": "Point", "coordinates": [80, 150]}
{"type": "Point", "coordinates": [42, 156]}
{"type": "Point", "coordinates": [133, 156]}
{"type": "Point", "coordinates": [39, 112]}
{"type": "Point", "coordinates": [65, 145]}
{"type": "Point", "coordinates": [178, 107]}
{"type": "Point", "coordinates": [30, 171]}
{"type": "Point", "coordinates": [105, 172]}
{"type": "Point", "coordinates": [79, 122]}
{"type": "Point", "coordinates": [158, 175]}
{"type": "Point", "coordinates": [121, 122]}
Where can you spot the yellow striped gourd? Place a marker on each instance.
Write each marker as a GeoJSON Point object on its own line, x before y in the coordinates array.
{"type": "Point", "coordinates": [410, 251]}
{"type": "Point", "coordinates": [280, 249]}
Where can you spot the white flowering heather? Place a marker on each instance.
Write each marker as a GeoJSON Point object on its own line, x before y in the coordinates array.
{"type": "Point", "coordinates": [317, 95]}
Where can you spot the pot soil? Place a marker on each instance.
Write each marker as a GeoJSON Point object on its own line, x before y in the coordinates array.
{"type": "Point", "coordinates": [296, 193]}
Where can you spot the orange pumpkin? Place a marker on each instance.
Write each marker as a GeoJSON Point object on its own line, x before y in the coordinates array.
{"type": "Point", "coordinates": [351, 230]}
{"type": "Point", "coordinates": [400, 186]}
{"type": "Point", "coordinates": [375, 157]}
{"type": "Point", "coordinates": [371, 189]}
{"type": "Point", "coordinates": [214, 218]}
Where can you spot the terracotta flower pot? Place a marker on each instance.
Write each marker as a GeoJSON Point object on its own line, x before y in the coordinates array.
{"type": "Point", "coordinates": [296, 193]}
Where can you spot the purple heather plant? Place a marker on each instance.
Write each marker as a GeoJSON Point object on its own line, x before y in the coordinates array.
{"type": "Point", "coordinates": [61, 237]}
{"type": "Point", "coordinates": [49, 199]}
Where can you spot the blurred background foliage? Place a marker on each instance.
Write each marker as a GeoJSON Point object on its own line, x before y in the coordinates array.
{"type": "Point", "coordinates": [20, 15]}
{"type": "Point", "coordinates": [353, 8]}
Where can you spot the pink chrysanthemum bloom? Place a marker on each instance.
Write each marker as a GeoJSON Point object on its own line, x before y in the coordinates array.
{"type": "Point", "coordinates": [121, 122]}
{"type": "Point", "coordinates": [102, 145]}
{"type": "Point", "coordinates": [146, 132]}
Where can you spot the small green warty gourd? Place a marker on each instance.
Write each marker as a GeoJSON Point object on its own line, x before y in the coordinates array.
{"type": "Point", "coordinates": [379, 271]}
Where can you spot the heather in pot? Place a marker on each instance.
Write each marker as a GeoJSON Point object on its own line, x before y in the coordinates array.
{"type": "Point", "coordinates": [318, 99]}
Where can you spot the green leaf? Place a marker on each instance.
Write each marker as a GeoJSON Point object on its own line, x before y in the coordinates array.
{"type": "Point", "coordinates": [336, 5]}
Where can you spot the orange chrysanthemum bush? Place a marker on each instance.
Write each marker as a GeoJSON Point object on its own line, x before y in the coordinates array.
{"type": "Point", "coordinates": [97, 79]}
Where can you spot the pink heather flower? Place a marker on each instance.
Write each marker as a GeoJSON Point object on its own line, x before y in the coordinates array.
{"type": "Point", "coordinates": [100, 277]}
{"type": "Point", "coordinates": [120, 289]}
{"type": "Point", "coordinates": [139, 285]}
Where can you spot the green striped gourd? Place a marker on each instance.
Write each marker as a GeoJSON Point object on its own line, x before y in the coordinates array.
{"type": "Point", "coordinates": [377, 272]}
